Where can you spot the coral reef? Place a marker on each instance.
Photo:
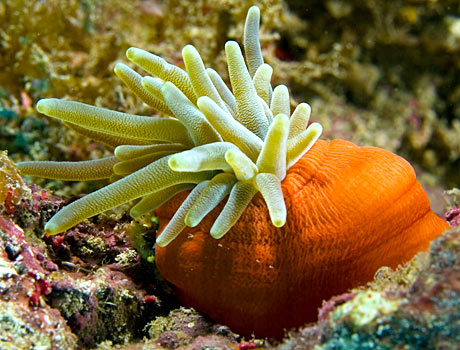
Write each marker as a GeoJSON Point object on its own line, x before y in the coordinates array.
{"type": "Point", "coordinates": [182, 327]}
{"type": "Point", "coordinates": [27, 322]}
{"type": "Point", "coordinates": [12, 187]}
{"type": "Point", "coordinates": [414, 306]}
{"type": "Point", "coordinates": [71, 290]}
{"type": "Point", "coordinates": [452, 215]}
{"type": "Point", "coordinates": [421, 314]}
{"type": "Point", "coordinates": [238, 142]}
{"type": "Point", "coordinates": [376, 73]}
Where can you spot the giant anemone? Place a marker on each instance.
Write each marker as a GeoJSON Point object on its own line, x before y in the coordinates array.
{"type": "Point", "coordinates": [214, 140]}
{"type": "Point", "coordinates": [351, 209]}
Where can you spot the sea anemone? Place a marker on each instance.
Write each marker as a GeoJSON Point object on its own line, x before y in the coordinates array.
{"type": "Point", "coordinates": [217, 141]}
{"type": "Point", "coordinates": [328, 215]}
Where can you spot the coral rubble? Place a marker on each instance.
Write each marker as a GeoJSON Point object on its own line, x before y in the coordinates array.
{"type": "Point", "coordinates": [27, 322]}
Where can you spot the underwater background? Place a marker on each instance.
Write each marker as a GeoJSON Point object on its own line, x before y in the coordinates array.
{"type": "Point", "coordinates": [377, 73]}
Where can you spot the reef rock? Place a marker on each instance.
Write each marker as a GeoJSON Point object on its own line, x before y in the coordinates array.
{"type": "Point", "coordinates": [423, 314]}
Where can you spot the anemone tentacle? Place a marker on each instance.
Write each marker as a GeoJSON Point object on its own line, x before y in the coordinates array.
{"type": "Point", "coordinates": [104, 138]}
{"type": "Point", "coordinates": [152, 178]}
{"type": "Point", "coordinates": [261, 81]}
{"type": "Point", "coordinates": [240, 196]}
{"type": "Point", "coordinates": [252, 49]}
{"type": "Point", "coordinates": [95, 169]}
{"type": "Point", "coordinates": [250, 114]}
{"type": "Point", "coordinates": [201, 82]}
{"type": "Point", "coordinates": [133, 81]}
{"type": "Point", "coordinates": [177, 223]}
{"type": "Point", "coordinates": [115, 123]}
{"type": "Point", "coordinates": [214, 192]}
{"type": "Point", "coordinates": [157, 66]}
{"type": "Point", "coordinates": [223, 90]}
{"type": "Point", "coordinates": [154, 200]}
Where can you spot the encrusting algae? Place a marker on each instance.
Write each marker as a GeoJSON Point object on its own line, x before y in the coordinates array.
{"type": "Point", "coordinates": [328, 214]}
{"type": "Point", "coordinates": [12, 187]}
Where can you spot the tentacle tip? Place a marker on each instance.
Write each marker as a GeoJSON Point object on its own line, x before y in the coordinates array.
{"type": "Point", "coordinates": [230, 156]}
{"type": "Point", "coordinates": [267, 68]}
{"type": "Point", "coordinates": [203, 101]}
{"type": "Point", "coordinates": [283, 88]}
{"type": "Point", "coordinates": [231, 45]}
{"type": "Point", "coordinates": [279, 222]}
{"type": "Point", "coordinates": [174, 163]}
{"type": "Point", "coordinates": [254, 10]}
{"type": "Point", "coordinates": [132, 53]}
{"type": "Point", "coordinates": [45, 105]}
{"type": "Point", "coordinates": [189, 49]}
{"type": "Point", "coordinates": [165, 238]}
{"type": "Point", "coordinates": [306, 107]}
{"type": "Point", "coordinates": [135, 214]}
{"type": "Point", "coordinates": [161, 242]}
{"type": "Point", "coordinates": [191, 221]}
{"type": "Point", "coordinates": [52, 229]}
{"type": "Point", "coordinates": [20, 165]}
{"type": "Point", "coordinates": [119, 67]}
{"type": "Point", "coordinates": [281, 119]}
{"type": "Point", "coordinates": [317, 128]}
{"type": "Point", "coordinates": [147, 81]}
{"type": "Point", "coordinates": [218, 231]}
{"type": "Point", "coordinates": [167, 88]}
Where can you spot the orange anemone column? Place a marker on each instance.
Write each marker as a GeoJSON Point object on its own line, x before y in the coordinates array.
{"type": "Point", "coordinates": [350, 211]}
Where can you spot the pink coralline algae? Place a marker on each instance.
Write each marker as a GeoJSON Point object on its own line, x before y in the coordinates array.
{"type": "Point", "coordinates": [452, 216]}
{"type": "Point", "coordinates": [27, 321]}
{"type": "Point", "coordinates": [26, 259]}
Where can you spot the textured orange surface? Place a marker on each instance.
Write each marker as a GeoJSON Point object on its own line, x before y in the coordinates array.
{"type": "Point", "coordinates": [350, 211]}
